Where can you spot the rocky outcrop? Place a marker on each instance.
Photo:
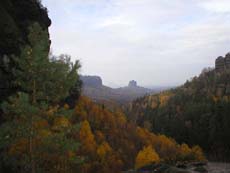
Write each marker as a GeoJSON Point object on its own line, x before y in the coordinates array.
{"type": "Point", "coordinates": [16, 17]}
{"type": "Point", "coordinates": [91, 81]}
{"type": "Point", "coordinates": [222, 63]}
{"type": "Point", "coordinates": [93, 87]}
{"type": "Point", "coordinates": [132, 83]}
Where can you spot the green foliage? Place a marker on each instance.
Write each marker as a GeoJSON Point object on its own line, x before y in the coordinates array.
{"type": "Point", "coordinates": [195, 113]}
{"type": "Point", "coordinates": [30, 140]}
{"type": "Point", "coordinates": [28, 137]}
{"type": "Point", "coordinates": [41, 77]}
{"type": "Point", "coordinates": [15, 19]}
{"type": "Point", "coordinates": [110, 143]}
{"type": "Point", "coordinates": [64, 74]}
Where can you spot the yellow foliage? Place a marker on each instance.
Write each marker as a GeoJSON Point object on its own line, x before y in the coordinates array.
{"type": "Point", "coordinates": [87, 138]}
{"type": "Point", "coordinates": [80, 112]}
{"type": "Point", "coordinates": [44, 133]}
{"type": "Point", "coordinates": [164, 98]}
{"type": "Point", "coordinates": [52, 110]}
{"type": "Point", "coordinates": [185, 150]}
{"type": "Point", "coordinates": [121, 118]}
{"type": "Point", "coordinates": [144, 135]}
{"type": "Point", "coordinates": [99, 136]}
{"type": "Point", "coordinates": [103, 149]}
{"type": "Point", "coordinates": [167, 148]}
{"type": "Point", "coordinates": [198, 153]}
{"type": "Point", "coordinates": [146, 156]}
{"type": "Point", "coordinates": [66, 106]}
{"type": "Point", "coordinates": [60, 123]}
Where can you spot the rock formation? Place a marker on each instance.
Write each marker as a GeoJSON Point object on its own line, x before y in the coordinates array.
{"type": "Point", "coordinates": [92, 81]}
{"type": "Point", "coordinates": [222, 63]}
{"type": "Point", "coordinates": [132, 83]}
{"type": "Point", "coordinates": [16, 17]}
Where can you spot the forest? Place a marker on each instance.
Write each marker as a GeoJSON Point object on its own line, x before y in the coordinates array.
{"type": "Point", "coordinates": [48, 126]}
{"type": "Point", "coordinates": [195, 113]}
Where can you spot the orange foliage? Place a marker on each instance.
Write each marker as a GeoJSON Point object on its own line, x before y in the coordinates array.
{"type": "Point", "coordinates": [88, 144]}
{"type": "Point", "coordinates": [164, 98]}
{"type": "Point", "coordinates": [99, 136]}
{"type": "Point", "coordinates": [60, 123]}
{"type": "Point", "coordinates": [185, 152]}
{"type": "Point", "coordinates": [103, 150]}
{"type": "Point", "coordinates": [166, 147]}
{"type": "Point", "coordinates": [198, 153]}
{"type": "Point", "coordinates": [103, 132]}
{"type": "Point", "coordinates": [146, 156]}
{"type": "Point", "coordinates": [21, 146]}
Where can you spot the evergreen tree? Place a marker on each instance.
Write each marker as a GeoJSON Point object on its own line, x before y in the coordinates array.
{"type": "Point", "coordinates": [41, 77]}
{"type": "Point", "coordinates": [29, 139]}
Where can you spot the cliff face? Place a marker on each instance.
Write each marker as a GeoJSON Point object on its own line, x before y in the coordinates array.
{"type": "Point", "coordinates": [132, 83]}
{"type": "Point", "coordinates": [15, 18]}
{"type": "Point", "coordinates": [222, 63]}
{"type": "Point", "coordinates": [91, 81]}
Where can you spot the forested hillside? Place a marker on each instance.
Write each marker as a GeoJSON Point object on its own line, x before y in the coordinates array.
{"type": "Point", "coordinates": [196, 113]}
{"type": "Point", "coordinates": [46, 126]}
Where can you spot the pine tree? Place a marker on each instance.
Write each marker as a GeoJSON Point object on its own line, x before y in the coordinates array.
{"type": "Point", "coordinates": [42, 81]}
{"type": "Point", "coordinates": [41, 77]}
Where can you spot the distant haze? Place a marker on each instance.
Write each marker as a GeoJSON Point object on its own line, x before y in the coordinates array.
{"type": "Point", "coordinates": [155, 42]}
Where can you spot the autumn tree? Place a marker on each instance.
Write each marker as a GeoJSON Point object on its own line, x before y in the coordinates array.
{"type": "Point", "coordinates": [50, 139]}
{"type": "Point", "coordinates": [146, 156]}
{"type": "Point", "coordinates": [198, 153]}
{"type": "Point", "coordinates": [103, 150]}
{"type": "Point", "coordinates": [87, 138]}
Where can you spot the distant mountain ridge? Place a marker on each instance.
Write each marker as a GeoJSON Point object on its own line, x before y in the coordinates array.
{"type": "Point", "coordinates": [93, 87]}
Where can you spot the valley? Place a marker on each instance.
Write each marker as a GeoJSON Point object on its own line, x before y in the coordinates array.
{"type": "Point", "coordinates": [54, 119]}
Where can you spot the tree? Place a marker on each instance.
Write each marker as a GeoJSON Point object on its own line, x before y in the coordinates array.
{"type": "Point", "coordinates": [42, 77]}
{"type": "Point", "coordinates": [37, 146]}
{"type": "Point", "coordinates": [87, 138]}
{"type": "Point", "coordinates": [146, 156]}
{"type": "Point", "coordinates": [42, 82]}
{"type": "Point", "coordinates": [103, 150]}
{"type": "Point", "coordinates": [198, 153]}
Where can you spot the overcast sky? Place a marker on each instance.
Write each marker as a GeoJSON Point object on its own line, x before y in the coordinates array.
{"type": "Point", "coordinates": [155, 42]}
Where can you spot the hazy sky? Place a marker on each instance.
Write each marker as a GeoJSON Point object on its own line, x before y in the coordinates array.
{"type": "Point", "coordinates": [155, 42]}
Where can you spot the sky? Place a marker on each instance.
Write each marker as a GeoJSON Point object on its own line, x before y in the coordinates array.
{"type": "Point", "coordinates": [155, 42]}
